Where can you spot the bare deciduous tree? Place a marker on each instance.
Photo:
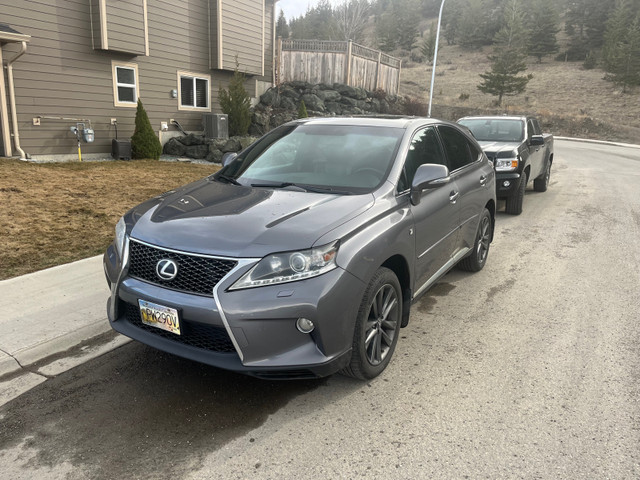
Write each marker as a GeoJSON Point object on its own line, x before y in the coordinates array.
{"type": "Point", "coordinates": [352, 16]}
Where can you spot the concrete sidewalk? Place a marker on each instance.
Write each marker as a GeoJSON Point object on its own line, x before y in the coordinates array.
{"type": "Point", "coordinates": [48, 312]}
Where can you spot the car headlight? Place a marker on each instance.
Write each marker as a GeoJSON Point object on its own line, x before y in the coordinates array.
{"type": "Point", "coordinates": [506, 164]}
{"type": "Point", "coordinates": [121, 230]}
{"type": "Point", "coordinates": [289, 267]}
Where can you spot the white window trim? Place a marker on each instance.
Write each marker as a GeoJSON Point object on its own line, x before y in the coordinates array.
{"type": "Point", "coordinates": [194, 76]}
{"type": "Point", "coordinates": [114, 76]}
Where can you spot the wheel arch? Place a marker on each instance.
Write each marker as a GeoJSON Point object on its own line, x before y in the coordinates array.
{"type": "Point", "coordinates": [400, 267]}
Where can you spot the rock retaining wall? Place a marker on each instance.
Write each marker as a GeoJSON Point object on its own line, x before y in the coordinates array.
{"type": "Point", "coordinates": [280, 105]}
{"type": "Point", "coordinates": [201, 148]}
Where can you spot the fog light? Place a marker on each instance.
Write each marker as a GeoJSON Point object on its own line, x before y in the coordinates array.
{"type": "Point", "coordinates": [506, 183]}
{"type": "Point", "coordinates": [305, 325]}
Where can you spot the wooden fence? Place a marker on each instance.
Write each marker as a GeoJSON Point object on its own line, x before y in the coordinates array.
{"type": "Point", "coordinates": [329, 62]}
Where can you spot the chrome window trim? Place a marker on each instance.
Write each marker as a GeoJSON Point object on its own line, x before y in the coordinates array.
{"type": "Point", "coordinates": [183, 252]}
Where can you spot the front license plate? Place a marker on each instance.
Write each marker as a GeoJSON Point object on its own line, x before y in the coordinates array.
{"type": "Point", "coordinates": [159, 316]}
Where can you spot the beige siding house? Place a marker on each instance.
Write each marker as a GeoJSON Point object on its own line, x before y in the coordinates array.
{"type": "Point", "coordinates": [88, 61]}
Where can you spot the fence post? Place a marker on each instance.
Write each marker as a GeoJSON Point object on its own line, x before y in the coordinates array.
{"type": "Point", "coordinates": [348, 66]}
{"type": "Point", "coordinates": [398, 79]}
{"type": "Point", "coordinates": [378, 71]}
{"type": "Point", "coordinates": [278, 69]}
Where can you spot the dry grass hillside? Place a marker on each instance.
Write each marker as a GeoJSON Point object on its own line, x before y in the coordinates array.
{"type": "Point", "coordinates": [569, 99]}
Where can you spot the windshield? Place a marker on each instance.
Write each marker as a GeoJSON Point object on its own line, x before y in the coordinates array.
{"type": "Point", "coordinates": [495, 130]}
{"type": "Point", "coordinates": [326, 158]}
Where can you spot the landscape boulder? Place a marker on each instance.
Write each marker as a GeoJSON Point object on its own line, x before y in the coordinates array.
{"type": "Point", "coordinates": [174, 147]}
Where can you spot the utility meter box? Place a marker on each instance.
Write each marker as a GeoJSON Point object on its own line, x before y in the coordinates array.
{"type": "Point", "coordinates": [121, 149]}
{"type": "Point", "coordinates": [215, 125]}
{"type": "Point", "coordinates": [88, 135]}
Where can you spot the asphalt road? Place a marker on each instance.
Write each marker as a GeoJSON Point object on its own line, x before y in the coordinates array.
{"type": "Point", "coordinates": [528, 369]}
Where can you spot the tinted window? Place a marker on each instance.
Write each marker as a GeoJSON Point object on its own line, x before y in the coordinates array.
{"type": "Point", "coordinates": [457, 147]}
{"type": "Point", "coordinates": [424, 148]}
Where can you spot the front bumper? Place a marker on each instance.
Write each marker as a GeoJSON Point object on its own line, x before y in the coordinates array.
{"type": "Point", "coordinates": [513, 179]}
{"type": "Point", "coordinates": [250, 331]}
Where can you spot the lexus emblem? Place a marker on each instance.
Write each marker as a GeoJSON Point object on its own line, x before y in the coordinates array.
{"type": "Point", "coordinates": [166, 269]}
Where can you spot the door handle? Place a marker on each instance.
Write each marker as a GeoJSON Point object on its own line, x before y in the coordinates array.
{"type": "Point", "coordinates": [483, 180]}
{"type": "Point", "coordinates": [453, 196]}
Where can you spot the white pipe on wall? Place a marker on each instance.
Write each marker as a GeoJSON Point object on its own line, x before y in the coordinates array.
{"type": "Point", "coordinates": [12, 99]}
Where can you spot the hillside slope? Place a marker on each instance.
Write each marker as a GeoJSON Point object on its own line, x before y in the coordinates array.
{"type": "Point", "coordinates": [569, 99]}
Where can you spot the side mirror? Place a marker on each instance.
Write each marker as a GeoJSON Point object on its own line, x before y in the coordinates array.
{"type": "Point", "coordinates": [228, 157]}
{"type": "Point", "coordinates": [536, 140]}
{"type": "Point", "coordinates": [428, 176]}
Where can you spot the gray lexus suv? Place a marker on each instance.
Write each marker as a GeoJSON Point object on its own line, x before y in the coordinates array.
{"type": "Point", "coordinates": [301, 256]}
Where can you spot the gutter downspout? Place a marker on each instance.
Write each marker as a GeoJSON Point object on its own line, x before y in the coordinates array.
{"type": "Point", "coordinates": [12, 99]}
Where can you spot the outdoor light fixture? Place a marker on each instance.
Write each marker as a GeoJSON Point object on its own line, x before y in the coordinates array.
{"type": "Point", "coordinates": [174, 93]}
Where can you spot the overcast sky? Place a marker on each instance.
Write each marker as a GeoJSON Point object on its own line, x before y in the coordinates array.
{"type": "Point", "coordinates": [295, 8]}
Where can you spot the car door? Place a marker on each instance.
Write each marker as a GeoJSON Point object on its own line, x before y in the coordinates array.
{"type": "Point", "coordinates": [436, 216]}
{"type": "Point", "coordinates": [471, 174]}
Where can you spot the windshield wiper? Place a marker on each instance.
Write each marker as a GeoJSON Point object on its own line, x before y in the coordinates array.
{"type": "Point", "coordinates": [227, 178]}
{"type": "Point", "coordinates": [306, 188]}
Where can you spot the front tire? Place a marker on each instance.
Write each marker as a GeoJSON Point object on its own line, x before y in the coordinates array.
{"type": "Point", "coordinates": [476, 261]}
{"type": "Point", "coordinates": [377, 326]}
{"type": "Point", "coordinates": [514, 202]}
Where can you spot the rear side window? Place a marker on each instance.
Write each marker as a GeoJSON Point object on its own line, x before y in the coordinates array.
{"type": "Point", "coordinates": [458, 147]}
{"type": "Point", "coordinates": [425, 148]}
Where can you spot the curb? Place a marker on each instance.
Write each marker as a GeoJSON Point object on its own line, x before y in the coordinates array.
{"type": "Point", "coordinates": [50, 312]}
{"type": "Point", "coordinates": [598, 142]}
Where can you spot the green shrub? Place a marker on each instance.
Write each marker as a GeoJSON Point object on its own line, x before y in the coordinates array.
{"type": "Point", "coordinates": [145, 142]}
{"type": "Point", "coordinates": [236, 103]}
{"type": "Point", "coordinates": [302, 110]}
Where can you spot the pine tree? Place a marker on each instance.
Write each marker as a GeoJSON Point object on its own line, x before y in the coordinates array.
{"type": "Point", "coordinates": [451, 20]}
{"type": "Point", "coordinates": [428, 46]}
{"type": "Point", "coordinates": [543, 24]}
{"type": "Point", "coordinates": [621, 52]}
{"type": "Point", "coordinates": [236, 103]}
{"type": "Point", "coordinates": [282, 27]}
{"type": "Point", "coordinates": [478, 24]}
{"type": "Point", "coordinates": [302, 110]}
{"type": "Point", "coordinates": [585, 22]}
{"type": "Point", "coordinates": [508, 57]}
{"type": "Point", "coordinates": [387, 32]}
{"type": "Point", "coordinates": [408, 21]}
{"type": "Point", "coordinates": [144, 142]}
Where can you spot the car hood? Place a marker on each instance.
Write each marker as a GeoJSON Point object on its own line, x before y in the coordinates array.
{"type": "Point", "coordinates": [493, 148]}
{"type": "Point", "coordinates": [209, 217]}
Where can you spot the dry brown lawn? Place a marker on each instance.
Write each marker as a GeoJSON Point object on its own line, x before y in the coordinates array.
{"type": "Point", "coordinates": [563, 89]}
{"type": "Point", "coordinates": [52, 214]}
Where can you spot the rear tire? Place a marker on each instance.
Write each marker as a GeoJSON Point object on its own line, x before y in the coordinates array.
{"type": "Point", "coordinates": [541, 183]}
{"type": "Point", "coordinates": [377, 326]}
{"type": "Point", "coordinates": [514, 202]}
{"type": "Point", "coordinates": [476, 261]}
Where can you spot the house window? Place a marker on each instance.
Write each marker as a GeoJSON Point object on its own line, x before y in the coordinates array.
{"type": "Point", "coordinates": [194, 91]}
{"type": "Point", "coordinates": [125, 84]}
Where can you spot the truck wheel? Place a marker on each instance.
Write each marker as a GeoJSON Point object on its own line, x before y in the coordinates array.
{"type": "Point", "coordinates": [514, 202]}
{"type": "Point", "coordinates": [377, 326]}
{"type": "Point", "coordinates": [478, 257]}
{"type": "Point", "coordinates": [541, 183]}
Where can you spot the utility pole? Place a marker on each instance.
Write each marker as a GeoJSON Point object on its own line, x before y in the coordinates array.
{"type": "Point", "coordinates": [435, 59]}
